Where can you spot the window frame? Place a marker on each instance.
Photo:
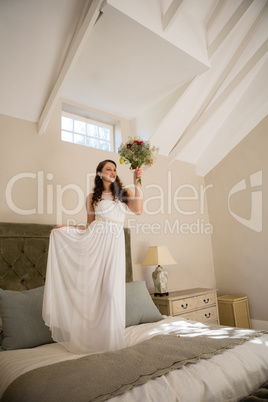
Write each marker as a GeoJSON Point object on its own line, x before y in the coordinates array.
{"type": "Point", "coordinates": [93, 122]}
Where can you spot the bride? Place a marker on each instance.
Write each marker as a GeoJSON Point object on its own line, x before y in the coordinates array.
{"type": "Point", "coordinates": [84, 297]}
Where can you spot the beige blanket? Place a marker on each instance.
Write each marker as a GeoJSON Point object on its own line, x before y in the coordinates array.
{"type": "Point", "coordinates": [102, 376]}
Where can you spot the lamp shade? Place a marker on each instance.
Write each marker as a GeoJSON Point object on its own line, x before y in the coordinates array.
{"type": "Point", "coordinates": [158, 255]}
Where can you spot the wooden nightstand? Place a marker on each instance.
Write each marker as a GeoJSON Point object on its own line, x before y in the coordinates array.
{"type": "Point", "coordinates": [198, 304]}
{"type": "Point", "coordinates": [234, 311]}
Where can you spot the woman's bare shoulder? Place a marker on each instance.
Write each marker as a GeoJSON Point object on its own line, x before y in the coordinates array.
{"type": "Point", "coordinates": [89, 196]}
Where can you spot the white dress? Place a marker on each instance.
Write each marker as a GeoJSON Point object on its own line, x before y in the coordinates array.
{"type": "Point", "coordinates": [84, 297]}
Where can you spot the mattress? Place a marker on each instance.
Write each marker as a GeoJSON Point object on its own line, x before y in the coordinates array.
{"type": "Point", "coordinates": [229, 376]}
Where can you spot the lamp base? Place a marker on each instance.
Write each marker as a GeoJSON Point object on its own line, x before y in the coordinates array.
{"type": "Point", "coordinates": [160, 278]}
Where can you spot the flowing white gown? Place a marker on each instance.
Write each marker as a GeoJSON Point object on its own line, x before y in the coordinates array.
{"type": "Point", "coordinates": [84, 297]}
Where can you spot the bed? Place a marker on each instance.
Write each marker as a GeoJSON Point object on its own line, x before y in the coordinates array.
{"type": "Point", "coordinates": [166, 359]}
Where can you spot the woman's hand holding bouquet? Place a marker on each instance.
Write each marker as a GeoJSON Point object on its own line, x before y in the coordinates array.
{"type": "Point", "coordinates": [137, 153]}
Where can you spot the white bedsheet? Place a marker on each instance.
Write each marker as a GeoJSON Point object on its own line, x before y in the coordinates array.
{"type": "Point", "coordinates": [226, 377]}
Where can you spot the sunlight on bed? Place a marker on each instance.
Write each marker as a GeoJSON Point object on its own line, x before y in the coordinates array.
{"type": "Point", "coordinates": [190, 328]}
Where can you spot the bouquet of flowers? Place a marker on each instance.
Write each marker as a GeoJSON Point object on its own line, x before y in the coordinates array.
{"type": "Point", "coordinates": [138, 153]}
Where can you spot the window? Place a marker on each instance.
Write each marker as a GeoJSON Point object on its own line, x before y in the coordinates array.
{"type": "Point", "coordinates": [83, 131]}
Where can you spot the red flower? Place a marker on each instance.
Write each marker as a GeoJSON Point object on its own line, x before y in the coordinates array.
{"type": "Point", "coordinates": [139, 142]}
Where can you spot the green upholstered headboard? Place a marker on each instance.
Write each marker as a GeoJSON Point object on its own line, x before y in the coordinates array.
{"type": "Point", "coordinates": [23, 255]}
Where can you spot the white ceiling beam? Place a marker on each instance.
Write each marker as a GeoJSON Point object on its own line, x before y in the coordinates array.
{"type": "Point", "coordinates": [254, 107]}
{"type": "Point", "coordinates": [174, 119]}
{"type": "Point", "coordinates": [213, 19]}
{"type": "Point", "coordinates": [206, 85]}
{"type": "Point", "coordinates": [229, 26]}
{"type": "Point", "coordinates": [220, 109]}
{"type": "Point", "coordinates": [202, 113]}
{"type": "Point", "coordinates": [85, 25]}
{"type": "Point", "coordinates": [171, 13]}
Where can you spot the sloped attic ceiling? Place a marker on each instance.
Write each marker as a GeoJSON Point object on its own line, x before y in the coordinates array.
{"type": "Point", "coordinates": [190, 74]}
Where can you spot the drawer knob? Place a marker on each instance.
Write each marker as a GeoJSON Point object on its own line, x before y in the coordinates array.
{"type": "Point", "coordinates": [184, 306]}
{"type": "Point", "coordinates": [206, 300]}
{"type": "Point", "coordinates": [207, 315]}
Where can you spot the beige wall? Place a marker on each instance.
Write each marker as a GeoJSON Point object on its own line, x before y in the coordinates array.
{"type": "Point", "coordinates": [182, 224]}
{"type": "Point", "coordinates": [240, 252]}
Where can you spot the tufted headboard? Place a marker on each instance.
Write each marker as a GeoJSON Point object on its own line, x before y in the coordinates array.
{"type": "Point", "coordinates": [23, 255]}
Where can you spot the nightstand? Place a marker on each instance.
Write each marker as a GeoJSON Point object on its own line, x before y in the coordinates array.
{"type": "Point", "coordinates": [234, 311]}
{"type": "Point", "coordinates": [198, 304]}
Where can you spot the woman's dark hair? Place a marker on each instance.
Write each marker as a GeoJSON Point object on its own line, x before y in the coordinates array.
{"type": "Point", "coordinates": [118, 192]}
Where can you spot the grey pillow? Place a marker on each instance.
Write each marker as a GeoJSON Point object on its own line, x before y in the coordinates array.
{"type": "Point", "coordinates": [140, 308]}
{"type": "Point", "coordinates": [21, 313]}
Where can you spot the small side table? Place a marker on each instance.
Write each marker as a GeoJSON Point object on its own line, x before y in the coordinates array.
{"type": "Point", "coordinates": [234, 311]}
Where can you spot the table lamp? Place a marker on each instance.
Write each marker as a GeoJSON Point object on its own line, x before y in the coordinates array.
{"type": "Point", "coordinates": [158, 255]}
